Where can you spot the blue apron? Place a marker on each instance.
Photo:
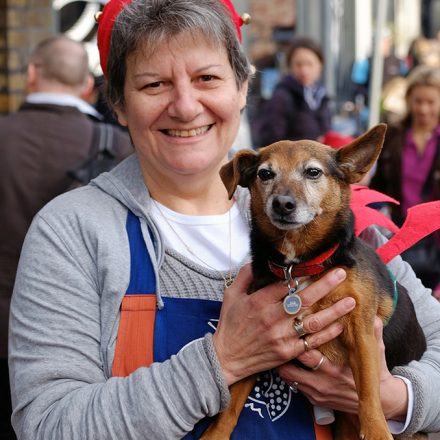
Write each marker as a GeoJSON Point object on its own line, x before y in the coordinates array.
{"type": "Point", "coordinates": [272, 410]}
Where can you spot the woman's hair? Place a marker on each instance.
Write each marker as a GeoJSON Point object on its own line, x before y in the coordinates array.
{"type": "Point", "coordinates": [422, 76]}
{"type": "Point", "coordinates": [305, 43]}
{"type": "Point", "coordinates": [145, 24]}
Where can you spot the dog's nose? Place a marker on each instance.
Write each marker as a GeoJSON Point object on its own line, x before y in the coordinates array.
{"type": "Point", "coordinates": [283, 205]}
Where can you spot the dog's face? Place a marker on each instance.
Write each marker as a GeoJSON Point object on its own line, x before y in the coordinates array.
{"type": "Point", "coordinates": [295, 183]}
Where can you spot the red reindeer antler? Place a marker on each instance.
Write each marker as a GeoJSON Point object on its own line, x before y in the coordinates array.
{"type": "Point", "coordinates": [421, 220]}
{"type": "Point", "coordinates": [365, 216]}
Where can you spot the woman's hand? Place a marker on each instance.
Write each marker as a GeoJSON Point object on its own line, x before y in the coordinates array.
{"type": "Point", "coordinates": [255, 334]}
{"type": "Point", "coordinates": [333, 387]}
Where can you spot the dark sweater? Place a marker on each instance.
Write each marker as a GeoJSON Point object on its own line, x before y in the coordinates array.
{"type": "Point", "coordinates": [39, 144]}
{"type": "Point", "coordinates": [288, 116]}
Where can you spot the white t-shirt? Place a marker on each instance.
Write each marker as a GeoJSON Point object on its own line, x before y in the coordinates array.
{"type": "Point", "coordinates": [217, 242]}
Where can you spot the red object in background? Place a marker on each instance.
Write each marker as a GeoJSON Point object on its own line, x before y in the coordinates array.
{"type": "Point", "coordinates": [114, 7]}
{"type": "Point", "coordinates": [336, 140]}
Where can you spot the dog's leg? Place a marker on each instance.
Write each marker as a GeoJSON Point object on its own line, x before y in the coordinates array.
{"type": "Point", "coordinates": [363, 358]}
{"type": "Point", "coordinates": [224, 423]}
{"type": "Point", "coordinates": [346, 427]}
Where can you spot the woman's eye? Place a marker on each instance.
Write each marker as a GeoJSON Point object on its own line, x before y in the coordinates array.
{"type": "Point", "coordinates": [313, 173]}
{"type": "Point", "coordinates": [207, 78]}
{"type": "Point", "coordinates": [154, 85]}
{"type": "Point", "coordinates": [265, 174]}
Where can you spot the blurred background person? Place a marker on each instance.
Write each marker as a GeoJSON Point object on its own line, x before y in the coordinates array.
{"type": "Point", "coordinates": [299, 106]}
{"type": "Point", "coordinates": [423, 51]}
{"type": "Point", "coordinates": [409, 166]}
{"type": "Point", "coordinates": [394, 71]}
{"type": "Point", "coordinates": [48, 136]}
{"type": "Point", "coordinates": [393, 67]}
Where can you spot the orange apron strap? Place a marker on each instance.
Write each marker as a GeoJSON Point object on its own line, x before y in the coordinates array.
{"type": "Point", "coordinates": [323, 432]}
{"type": "Point", "coordinates": [134, 343]}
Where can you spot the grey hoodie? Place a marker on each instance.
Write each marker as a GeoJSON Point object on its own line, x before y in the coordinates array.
{"type": "Point", "coordinates": [73, 272]}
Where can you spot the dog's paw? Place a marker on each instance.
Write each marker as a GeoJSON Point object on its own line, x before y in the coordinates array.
{"type": "Point", "coordinates": [375, 434]}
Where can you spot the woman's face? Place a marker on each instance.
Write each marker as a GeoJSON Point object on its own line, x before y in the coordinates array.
{"type": "Point", "coordinates": [424, 106]}
{"type": "Point", "coordinates": [305, 66]}
{"type": "Point", "coordinates": [182, 107]}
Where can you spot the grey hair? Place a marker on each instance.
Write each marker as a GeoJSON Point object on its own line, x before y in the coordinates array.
{"type": "Point", "coordinates": [61, 59]}
{"type": "Point", "coordinates": [144, 24]}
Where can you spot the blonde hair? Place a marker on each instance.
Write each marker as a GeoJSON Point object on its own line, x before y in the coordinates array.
{"type": "Point", "coordinates": [423, 76]}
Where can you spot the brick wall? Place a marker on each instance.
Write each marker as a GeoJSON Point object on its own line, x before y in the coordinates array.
{"type": "Point", "coordinates": [267, 15]}
{"type": "Point", "coordinates": [23, 23]}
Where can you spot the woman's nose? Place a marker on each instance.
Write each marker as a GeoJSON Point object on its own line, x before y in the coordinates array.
{"type": "Point", "coordinates": [185, 103]}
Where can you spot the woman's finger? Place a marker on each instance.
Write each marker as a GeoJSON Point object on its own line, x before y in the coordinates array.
{"type": "Point", "coordinates": [315, 340]}
{"type": "Point", "coordinates": [317, 321]}
{"type": "Point", "coordinates": [243, 279]}
{"type": "Point", "coordinates": [309, 295]}
{"type": "Point", "coordinates": [320, 288]}
{"type": "Point", "coordinates": [314, 360]}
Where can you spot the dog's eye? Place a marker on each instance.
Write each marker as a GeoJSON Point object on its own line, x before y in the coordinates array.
{"type": "Point", "coordinates": [313, 173]}
{"type": "Point", "coordinates": [265, 174]}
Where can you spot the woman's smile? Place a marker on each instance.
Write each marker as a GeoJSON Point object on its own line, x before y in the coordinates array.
{"type": "Point", "coordinates": [192, 132]}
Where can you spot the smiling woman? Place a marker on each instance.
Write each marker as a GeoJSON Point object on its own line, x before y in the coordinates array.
{"type": "Point", "coordinates": [126, 324]}
{"type": "Point", "coordinates": [182, 107]}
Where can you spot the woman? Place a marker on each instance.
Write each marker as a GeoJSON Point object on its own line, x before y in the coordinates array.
{"type": "Point", "coordinates": [299, 106]}
{"type": "Point", "coordinates": [160, 235]}
{"type": "Point", "coordinates": [409, 166]}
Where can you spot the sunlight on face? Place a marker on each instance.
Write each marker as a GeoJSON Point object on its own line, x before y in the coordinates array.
{"type": "Point", "coordinates": [182, 106]}
{"type": "Point", "coordinates": [305, 66]}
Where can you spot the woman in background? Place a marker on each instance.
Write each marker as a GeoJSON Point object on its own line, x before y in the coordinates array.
{"type": "Point", "coordinates": [299, 106]}
{"type": "Point", "coordinates": [409, 166]}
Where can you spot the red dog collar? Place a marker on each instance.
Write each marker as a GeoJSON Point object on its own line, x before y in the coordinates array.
{"type": "Point", "coordinates": [306, 268]}
{"type": "Point", "coordinates": [113, 8]}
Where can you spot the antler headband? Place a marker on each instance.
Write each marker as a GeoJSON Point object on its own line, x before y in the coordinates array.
{"type": "Point", "coordinates": [112, 9]}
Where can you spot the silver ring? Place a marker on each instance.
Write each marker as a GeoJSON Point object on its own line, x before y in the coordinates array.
{"type": "Point", "coordinates": [298, 326]}
{"type": "Point", "coordinates": [318, 365]}
{"type": "Point", "coordinates": [306, 345]}
{"type": "Point", "coordinates": [293, 387]}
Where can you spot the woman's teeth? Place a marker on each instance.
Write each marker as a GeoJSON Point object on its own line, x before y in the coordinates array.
{"type": "Point", "coordinates": [188, 133]}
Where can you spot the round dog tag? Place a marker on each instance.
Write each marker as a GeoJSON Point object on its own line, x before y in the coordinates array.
{"type": "Point", "coordinates": [292, 304]}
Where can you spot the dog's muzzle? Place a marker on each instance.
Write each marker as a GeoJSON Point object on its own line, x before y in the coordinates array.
{"type": "Point", "coordinates": [283, 206]}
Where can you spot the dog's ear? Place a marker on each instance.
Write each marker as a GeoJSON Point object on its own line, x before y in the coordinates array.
{"type": "Point", "coordinates": [239, 171]}
{"type": "Point", "coordinates": [358, 157]}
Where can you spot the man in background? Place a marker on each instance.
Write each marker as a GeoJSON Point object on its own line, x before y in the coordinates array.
{"type": "Point", "coordinates": [52, 133]}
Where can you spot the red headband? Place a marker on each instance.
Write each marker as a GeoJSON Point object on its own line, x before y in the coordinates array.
{"type": "Point", "coordinates": [112, 9]}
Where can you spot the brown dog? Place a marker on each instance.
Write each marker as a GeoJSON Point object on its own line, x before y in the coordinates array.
{"type": "Point", "coordinates": [300, 206]}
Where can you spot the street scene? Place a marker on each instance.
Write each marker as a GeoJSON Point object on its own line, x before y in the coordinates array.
{"type": "Point", "coordinates": [220, 219]}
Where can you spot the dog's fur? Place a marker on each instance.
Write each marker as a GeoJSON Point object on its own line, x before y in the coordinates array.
{"type": "Point", "coordinates": [300, 206]}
